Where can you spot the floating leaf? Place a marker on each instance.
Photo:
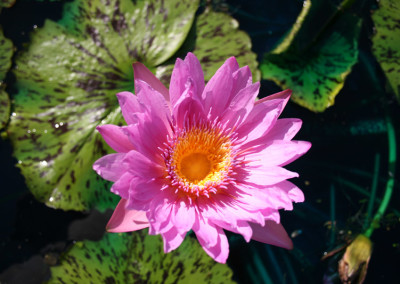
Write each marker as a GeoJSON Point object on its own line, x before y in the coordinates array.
{"type": "Point", "coordinates": [386, 41]}
{"type": "Point", "coordinates": [6, 51]}
{"type": "Point", "coordinates": [316, 72]}
{"type": "Point", "coordinates": [138, 258]}
{"type": "Point", "coordinates": [68, 77]}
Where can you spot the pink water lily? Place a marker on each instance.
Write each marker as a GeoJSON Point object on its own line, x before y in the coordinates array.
{"type": "Point", "coordinates": [206, 158]}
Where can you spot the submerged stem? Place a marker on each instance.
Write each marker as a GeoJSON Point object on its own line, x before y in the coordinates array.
{"type": "Point", "coordinates": [390, 181]}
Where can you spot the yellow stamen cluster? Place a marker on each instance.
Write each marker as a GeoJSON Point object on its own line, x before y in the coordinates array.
{"type": "Point", "coordinates": [200, 158]}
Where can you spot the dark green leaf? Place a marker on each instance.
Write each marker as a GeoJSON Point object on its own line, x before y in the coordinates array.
{"type": "Point", "coordinates": [316, 69]}
{"type": "Point", "coordinates": [386, 41]}
{"type": "Point", "coordinates": [6, 51]}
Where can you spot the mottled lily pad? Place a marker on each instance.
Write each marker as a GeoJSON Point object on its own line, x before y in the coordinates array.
{"type": "Point", "coordinates": [386, 41]}
{"type": "Point", "coordinates": [138, 258]}
{"type": "Point", "coordinates": [316, 71]}
{"type": "Point", "coordinates": [6, 51]}
{"type": "Point", "coordinates": [68, 77]}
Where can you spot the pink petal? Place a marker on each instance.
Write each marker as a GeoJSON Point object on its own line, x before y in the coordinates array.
{"type": "Point", "coordinates": [265, 175]}
{"type": "Point", "coordinates": [242, 227]}
{"type": "Point", "coordinates": [183, 216]}
{"type": "Point", "coordinates": [279, 153]}
{"type": "Point", "coordinates": [188, 109]}
{"type": "Point", "coordinates": [110, 167]}
{"type": "Point", "coordinates": [144, 190]}
{"type": "Point", "coordinates": [129, 106]}
{"type": "Point", "coordinates": [284, 129]}
{"type": "Point", "coordinates": [138, 164]}
{"type": "Point", "coordinates": [284, 95]}
{"type": "Point", "coordinates": [241, 79]}
{"type": "Point", "coordinates": [142, 73]}
{"type": "Point", "coordinates": [220, 251]}
{"type": "Point", "coordinates": [240, 106]}
{"type": "Point", "coordinates": [122, 185]}
{"type": "Point", "coordinates": [261, 119]}
{"type": "Point", "coordinates": [185, 71]}
{"type": "Point", "coordinates": [205, 231]}
{"type": "Point", "coordinates": [272, 233]}
{"type": "Point", "coordinates": [154, 102]}
{"type": "Point", "coordinates": [218, 90]}
{"type": "Point", "coordinates": [115, 137]}
{"type": "Point", "coordinates": [124, 220]}
{"type": "Point", "coordinates": [172, 239]}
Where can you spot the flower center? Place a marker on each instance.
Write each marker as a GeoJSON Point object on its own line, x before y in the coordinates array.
{"type": "Point", "coordinates": [199, 160]}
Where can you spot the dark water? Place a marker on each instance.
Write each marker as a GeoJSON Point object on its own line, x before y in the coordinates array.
{"type": "Point", "coordinates": [346, 140]}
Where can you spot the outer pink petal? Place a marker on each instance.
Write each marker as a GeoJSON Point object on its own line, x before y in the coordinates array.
{"type": "Point", "coordinates": [122, 185]}
{"type": "Point", "coordinates": [284, 129]}
{"type": "Point", "coordinates": [242, 227]}
{"type": "Point", "coordinates": [110, 167]}
{"type": "Point", "coordinates": [284, 95]}
{"type": "Point", "coordinates": [240, 106]}
{"type": "Point", "coordinates": [143, 190]}
{"type": "Point", "coordinates": [172, 239]}
{"type": "Point", "coordinates": [265, 175]}
{"type": "Point", "coordinates": [142, 73]}
{"type": "Point", "coordinates": [183, 216]}
{"type": "Point", "coordinates": [129, 106]}
{"type": "Point", "coordinates": [279, 153]}
{"type": "Point", "coordinates": [205, 231]}
{"type": "Point", "coordinates": [154, 102]}
{"type": "Point", "coordinates": [185, 71]}
{"type": "Point", "coordinates": [272, 233]}
{"type": "Point", "coordinates": [241, 79]}
{"type": "Point", "coordinates": [261, 119]}
{"type": "Point", "coordinates": [220, 251]}
{"type": "Point", "coordinates": [139, 165]}
{"type": "Point", "coordinates": [115, 137]}
{"type": "Point", "coordinates": [124, 220]}
{"type": "Point", "coordinates": [218, 90]}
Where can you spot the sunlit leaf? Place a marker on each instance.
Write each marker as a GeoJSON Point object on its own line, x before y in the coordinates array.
{"type": "Point", "coordinates": [386, 41]}
{"type": "Point", "coordinates": [138, 258]}
{"type": "Point", "coordinates": [316, 70]}
{"type": "Point", "coordinates": [68, 77]}
{"type": "Point", "coordinates": [6, 51]}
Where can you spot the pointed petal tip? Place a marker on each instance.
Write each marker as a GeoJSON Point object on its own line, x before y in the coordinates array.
{"type": "Point", "coordinates": [124, 220]}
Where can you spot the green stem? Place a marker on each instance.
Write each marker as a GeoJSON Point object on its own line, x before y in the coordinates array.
{"type": "Point", "coordinates": [373, 190]}
{"type": "Point", "coordinates": [390, 181]}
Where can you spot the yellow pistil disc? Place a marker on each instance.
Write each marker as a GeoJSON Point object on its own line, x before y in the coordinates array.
{"type": "Point", "coordinates": [201, 157]}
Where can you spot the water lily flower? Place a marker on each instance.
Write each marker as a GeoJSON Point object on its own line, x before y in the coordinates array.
{"type": "Point", "coordinates": [206, 158]}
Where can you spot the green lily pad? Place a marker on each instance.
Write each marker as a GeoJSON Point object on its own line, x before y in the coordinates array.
{"type": "Point", "coordinates": [386, 41]}
{"type": "Point", "coordinates": [68, 77]}
{"type": "Point", "coordinates": [316, 71]}
{"type": "Point", "coordinates": [138, 258]}
{"type": "Point", "coordinates": [6, 52]}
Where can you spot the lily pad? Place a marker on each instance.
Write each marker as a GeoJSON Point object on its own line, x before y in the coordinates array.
{"type": "Point", "coordinates": [68, 77]}
{"type": "Point", "coordinates": [316, 71]}
{"type": "Point", "coordinates": [6, 52]}
{"type": "Point", "coordinates": [386, 41]}
{"type": "Point", "coordinates": [137, 258]}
